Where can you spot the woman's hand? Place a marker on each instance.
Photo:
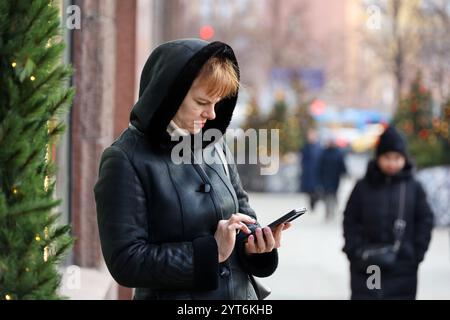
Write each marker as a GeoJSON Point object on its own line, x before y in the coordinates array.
{"type": "Point", "coordinates": [226, 233]}
{"type": "Point", "coordinates": [265, 242]}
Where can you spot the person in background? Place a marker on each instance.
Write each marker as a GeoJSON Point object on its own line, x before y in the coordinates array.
{"type": "Point", "coordinates": [387, 223]}
{"type": "Point", "coordinates": [310, 156]}
{"type": "Point", "coordinates": [331, 169]}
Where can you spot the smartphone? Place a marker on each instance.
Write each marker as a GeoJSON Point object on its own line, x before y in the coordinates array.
{"type": "Point", "coordinates": [288, 217]}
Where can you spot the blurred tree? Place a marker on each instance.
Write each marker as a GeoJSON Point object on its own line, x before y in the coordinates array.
{"type": "Point", "coordinates": [250, 173]}
{"type": "Point", "coordinates": [264, 34]}
{"type": "Point", "coordinates": [33, 92]}
{"type": "Point", "coordinates": [301, 112]}
{"type": "Point", "coordinates": [397, 42]}
{"type": "Point", "coordinates": [443, 128]}
{"type": "Point", "coordinates": [436, 46]}
{"type": "Point", "coordinates": [280, 118]}
{"type": "Point", "coordinates": [427, 135]}
{"type": "Point", "coordinates": [254, 119]}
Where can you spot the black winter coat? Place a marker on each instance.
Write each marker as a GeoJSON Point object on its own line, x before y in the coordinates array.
{"type": "Point", "coordinates": [331, 168]}
{"type": "Point", "coordinates": [369, 219]}
{"type": "Point", "coordinates": [310, 156]}
{"type": "Point", "coordinates": [157, 218]}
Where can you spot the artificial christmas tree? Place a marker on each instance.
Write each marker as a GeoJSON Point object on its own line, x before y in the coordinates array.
{"type": "Point", "coordinates": [33, 93]}
{"type": "Point", "coordinates": [427, 135]}
{"type": "Point", "coordinates": [288, 126]}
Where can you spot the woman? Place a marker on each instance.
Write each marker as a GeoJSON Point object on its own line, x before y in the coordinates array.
{"type": "Point", "coordinates": [169, 229]}
{"type": "Point", "coordinates": [387, 223]}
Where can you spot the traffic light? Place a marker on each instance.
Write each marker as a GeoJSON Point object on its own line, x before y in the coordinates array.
{"type": "Point", "coordinates": [206, 32]}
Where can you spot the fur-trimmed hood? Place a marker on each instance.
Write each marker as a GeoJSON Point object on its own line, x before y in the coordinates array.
{"type": "Point", "coordinates": [165, 80]}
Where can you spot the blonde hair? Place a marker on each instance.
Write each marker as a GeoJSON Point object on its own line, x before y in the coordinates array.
{"type": "Point", "coordinates": [220, 77]}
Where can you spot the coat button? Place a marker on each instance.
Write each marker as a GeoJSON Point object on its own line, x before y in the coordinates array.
{"type": "Point", "coordinates": [206, 187]}
{"type": "Point", "coordinates": [224, 271]}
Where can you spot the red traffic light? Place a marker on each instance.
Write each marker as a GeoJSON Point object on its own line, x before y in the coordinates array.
{"type": "Point", "coordinates": [206, 32]}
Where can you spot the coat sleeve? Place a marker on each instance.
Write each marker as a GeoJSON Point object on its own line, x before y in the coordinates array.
{"type": "Point", "coordinates": [260, 265]}
{"type": "Point", "coordinates": [133, 261]}
{"type": "Point", "coordinates": [423, 223]}
{"type": "Point", "coordinates": [352, 226]}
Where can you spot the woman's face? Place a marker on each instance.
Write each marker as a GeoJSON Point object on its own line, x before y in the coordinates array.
{"type": "Point", "coordinates": [196, 108]}
{"type": "Point", "coordinates": [391, 163]}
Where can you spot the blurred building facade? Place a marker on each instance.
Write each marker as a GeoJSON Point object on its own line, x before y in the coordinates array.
{"type": "Point", "coordinates": [324, 36]}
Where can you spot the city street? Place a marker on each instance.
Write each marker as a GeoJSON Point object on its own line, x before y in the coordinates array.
{"type": "Point", "coordinates": [312, 264]}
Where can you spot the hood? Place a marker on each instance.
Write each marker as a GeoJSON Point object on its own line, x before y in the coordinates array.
{"type": "Point", "coordinates": [165, 80]}
{"type": "Point", "coordinates": [376, 177]}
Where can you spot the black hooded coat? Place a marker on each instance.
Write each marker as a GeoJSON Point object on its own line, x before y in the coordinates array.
{"type": "Point", "coordinates": [157, 218]}
{"type": "Point", "coordinates": [369, 217]}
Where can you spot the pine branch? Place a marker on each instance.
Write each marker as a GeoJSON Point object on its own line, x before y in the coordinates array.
{"type": "Point", "coordinates": [38, 207]}
{"type": "Point", "coordinates": [38, 14]}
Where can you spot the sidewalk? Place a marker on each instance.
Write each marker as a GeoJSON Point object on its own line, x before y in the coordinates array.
{"type": "Point", "coordinates": [312, 264]}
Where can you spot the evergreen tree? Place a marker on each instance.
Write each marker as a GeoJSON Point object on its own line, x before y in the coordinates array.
{"type": "Point", "coordinates": [253, 118]}
{"type": "Point", "coordinates": [33, 94]}
{"type": "Point", "coordinates": [441, 127]}
{"type": "Point", "coordinates": [302, 111]}
{"type": "Point", "coordinates": [427, 135]}
{"type": "Point", "coordinates": [287, 124]}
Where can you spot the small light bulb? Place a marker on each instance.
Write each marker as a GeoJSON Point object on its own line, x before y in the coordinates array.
{"type": "Point", "coordinates": [37, 238]}
{"type": "Point", "coordinates": [45, 254]}
{"type": "Point", "coordinates": [14, 64]}
{"type": "Point", "coordinates": [8, 297]}
{"type": "Point", "coordinates": [32, 78]}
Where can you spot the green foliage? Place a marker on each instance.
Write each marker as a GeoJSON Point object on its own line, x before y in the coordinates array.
{"type": "Point", "coordinates": [292, 126]}
{"type": "Point", "coordinates": [427, 135]}
{"type": "Point", "coordinates": [33, 93]}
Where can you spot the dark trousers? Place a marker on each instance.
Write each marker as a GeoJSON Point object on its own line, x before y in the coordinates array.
{"type": "Point", "coordinates": [330, 205]}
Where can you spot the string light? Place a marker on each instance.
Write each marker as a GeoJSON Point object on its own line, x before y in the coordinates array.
{"type": "Point", "coordinates": [8, 297]}
{"type": "Point", "coordinates": [37, 238]}
{"type": "Point", "coordinates": [32, 78]}
{"type": "Point", "coordinates": [14, 190]}
{"type": "Point", "coordinates": [45, 254]}
{"type": "Point", "coordinates": [46, 248]}
{"type": "Point", "coordinates": [46, 183]}
{"type": "Point", "coordinates": [27, 269]}
{"type": "Point", "coordinates": [14, 64]}
{"type": "Point", "coordinates": [47, 160]}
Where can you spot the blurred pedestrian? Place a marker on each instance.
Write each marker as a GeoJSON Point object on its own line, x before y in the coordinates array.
{"type": "Point", "coordinates": [387, 223]}
{"type": "Point", "coordinates": [310, 156]}
{"type": "Point", "coordinates": [331, 169]}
